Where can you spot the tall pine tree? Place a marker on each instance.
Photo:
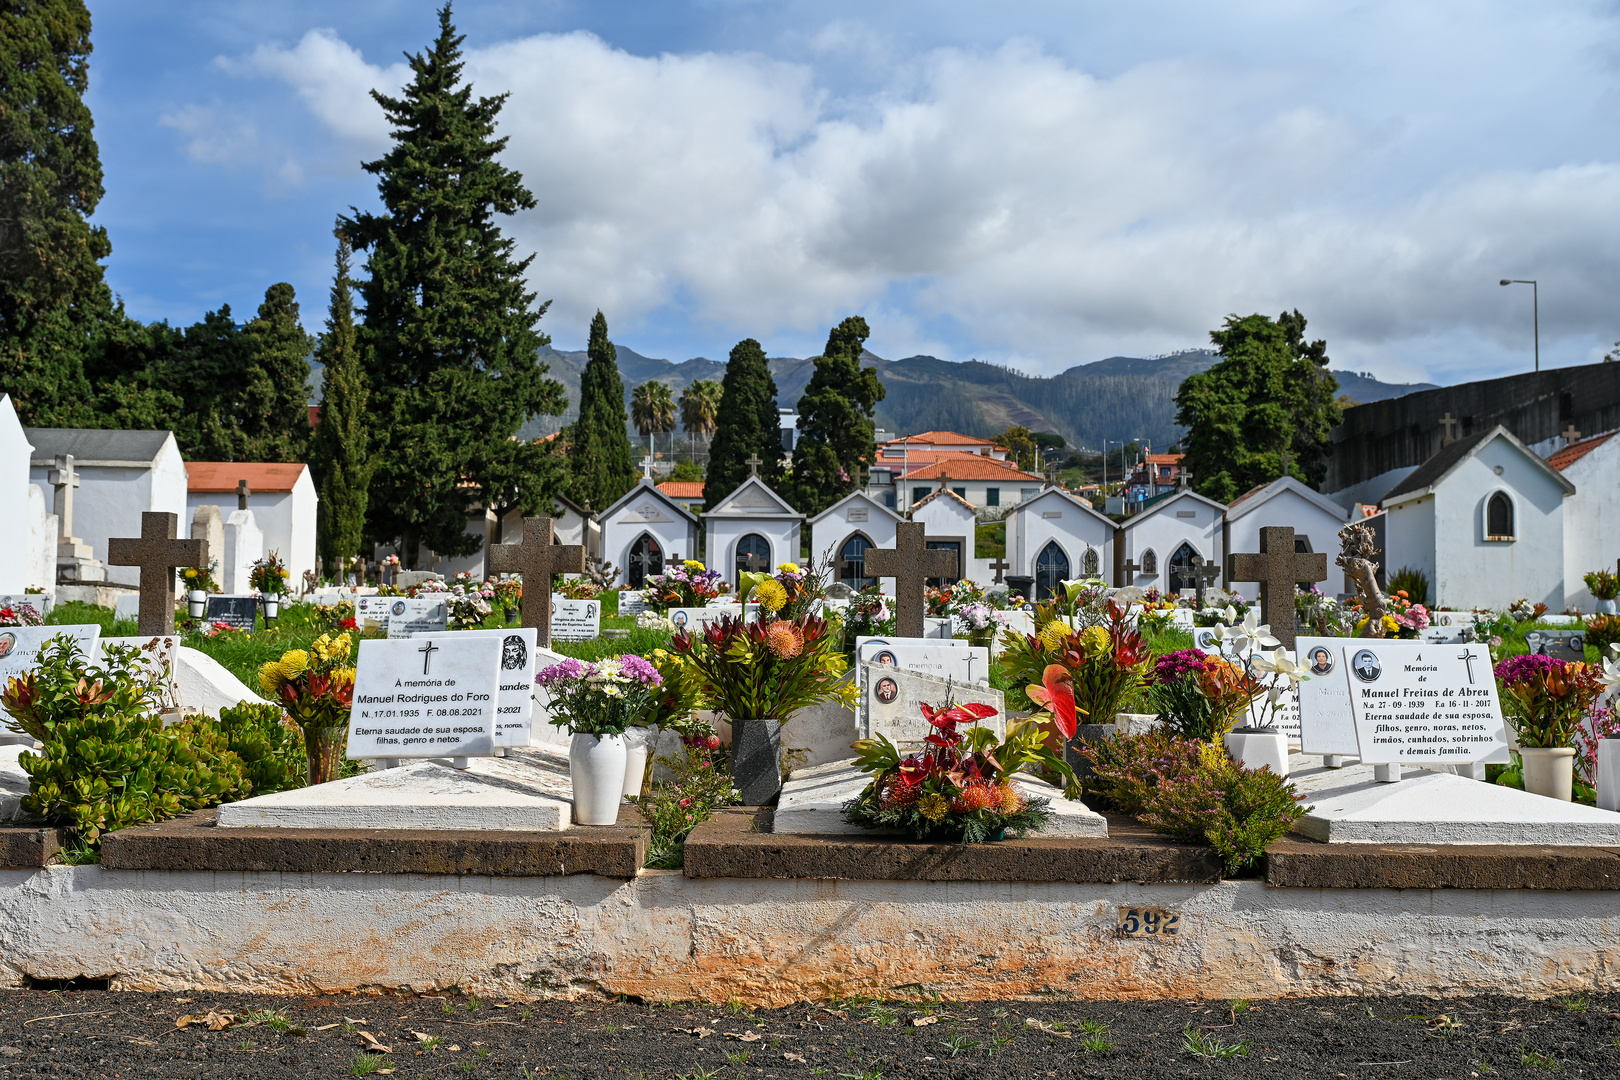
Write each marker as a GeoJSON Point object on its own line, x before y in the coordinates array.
{"type": "Point", "coordinates": [599, 463]}
{"type": "Point", "coordinates": [51, 289]}
{"type": "Point", "coordinates": [340, 447]}
{"type": "Point", "coordinates": [836, 433]}
{"type": "Point", "coordinates": [449, 332]}
{"type": "Point", "coordinates": [747, 425]}
{"type": "Point", "coordinates": [271, 409]}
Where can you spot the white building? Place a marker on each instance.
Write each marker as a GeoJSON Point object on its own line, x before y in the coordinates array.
{"type": "Point", "coordinates": [1315, 519]}
{"type": "Point", "coordinates": [122, 474]}
{"type": "Point", "coordinates": [1056, 537]}
{"type": "Point", "coordinates": [948, 525]}
{"type": "Point", "coordinates": [282, 498]}
{"type": "Point", "coordinates": [1484, 519]}
{"type": "Point", "coordinates": [752, 523]}
{"type": "Point", "coordinates": [1165, 536]}
{"type": "Point", "coordinates": [644, 530]}
{"type": "Point", "coordinates": [1592, 514]}
{"type": "Point", "coordinates": [841, 534]}
{"type": "Point", "coordinates": [18, 527]}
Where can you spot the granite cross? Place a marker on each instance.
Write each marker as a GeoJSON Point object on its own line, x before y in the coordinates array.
{"type": "Point", "coordinates": [1570, 434]}
{"type": "Point", "coordinates": [1277, 567]}
{"type": "Point", "coordinates": [1447, 423]}
{"type": "Point", "coordinates": [157, 553]}
{"type": "Point", "coordinates": [1052, 476]}
{"type": "Point", "coordinates": [998, 566]}
{"type": "Point", "coordinates": [646, 467]}
{"type": "Point", "coordinates": [537, 558]}
{"type": "Point", "coordinates": [911, 563]}
{"type": "Point", "coordinates": [242, 493]}
{"type": "Point", "coordinates": [1186, 476]}
{"type": "Point", "coordinates": [1204, 574]}
{"type": "Point", "coordinates": [1130, 569]}
{"type": "Point", "coordinates": [753, 463]}
{"type": "Point", "coordinates": [64, 478]}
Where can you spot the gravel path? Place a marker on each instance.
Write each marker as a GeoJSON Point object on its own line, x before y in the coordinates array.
{"type": "Point", "coordinates": [94, 1033]}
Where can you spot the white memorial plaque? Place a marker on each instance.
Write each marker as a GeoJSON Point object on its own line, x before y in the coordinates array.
{"type": "Point", "coordinates": [691, 618]}
{"type": "Point", "coordinates": [1205, 641]}
{"type": "Point", "coordinates": [1285, 717]}
{"type": "Point", "coordinates": [409, 616]}
{"type": "Point", "coordinates": [371, 612]}
{"type": "Point", "coordinates": [1326, 723]}
{"type": "Point", "coordinates": [1423, 704]}
{"type": "Point", "coordinates": [19, 646]}
{"type": "Point", "coordinates": [40, 602]}
{"type": "Point", "coordinates": [893, 707]}
{"type": "Point", "coordinates": [576, 620]}
{"type": "Point", "coordinates": [514, 711]}
{"type": "Point", "coordinates": [948, 659]}
{"type": "Point", "coordinates": [631, 603]}
{"type": "Point", "coordinates": [429, 696]}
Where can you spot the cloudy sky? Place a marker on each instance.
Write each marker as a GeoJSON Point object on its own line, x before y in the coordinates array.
{"type": "Point", "coordinates": [1039, 184]}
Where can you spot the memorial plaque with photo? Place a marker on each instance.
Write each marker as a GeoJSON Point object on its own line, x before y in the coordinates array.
{"type": "Point", "coordinates": [1558, 644]}
{"type": "Point", "coordinates": [1326, 723]}
{"type": "Point", "coordinates": [631, 603]}
{"type": "Point", "coordinates": [1421, 704]}
{"type": "Point", "coordinates": [691, 618]}
{"type": "Point", "coordinates": [514, 711]}
{"type": "Point", "coordinates": [893, 708]}
{"type": "Point", "coordinates": [1285, 717]}
{"type": "Point", "coordinates": [40, 602]}
{"type": "Point", "coordinates": [432, 696]}
{"type": "Point", "coordinates": [576, 620]}
{"type": "Point", "coordinates": [410, 616]}
{"type": "Point", "coordinates": [236, 612]}
{"type": "Point", "coordinates": [371, 612]}
{"type": "Point", "coordinates": [19, 646]}
{"type": "Point", "coordinates": [944, 659]}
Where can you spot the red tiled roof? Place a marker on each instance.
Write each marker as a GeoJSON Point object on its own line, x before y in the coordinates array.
{"type": "Point", "coordinates": [1165, 459]}
{"type": "Point", "coordinates": [1572, 453]}
{"type": "Point", "coordinates": [682, 489]}
{"type": "Point", "coordinates": [222, 476]}
{"type": "Point", "coordinates": [972, 467]}
{"type": "Point", "coordinates": [940, 438]}
{"type": "Point", "coordinates": [917, 459]}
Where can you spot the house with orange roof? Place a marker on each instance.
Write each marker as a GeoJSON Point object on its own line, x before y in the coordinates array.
{"type": "Point", "coordinates": [910, 469]}
{"type": "Point", "coordinates": [1591, 514]}
{"type": "Point", "coordinates": [281, 496]}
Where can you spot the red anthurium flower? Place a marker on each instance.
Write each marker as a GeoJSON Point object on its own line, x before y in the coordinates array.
{"type": "Point", "coordinates": [1057, 695]}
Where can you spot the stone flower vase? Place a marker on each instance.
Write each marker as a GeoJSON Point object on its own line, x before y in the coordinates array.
{"type": "Point", "coordinates": [596, 766]}
{"type": "Point", "coordinates": [1549, 771]}
{"type": "Point", "coordinates": [638, 742]}
{"type": "Point", "coordinates": [197, 603]}
{"type": "Point", "coordinates": [1607, 607]}
{"type": "Point", "coordinates": [323, 747]}
{"type": "Point", "coordinates": [756, 760]}
{"type": "Point", "coordinates": [1257, 748]}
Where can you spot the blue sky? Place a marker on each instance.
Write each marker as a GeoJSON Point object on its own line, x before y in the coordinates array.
{"type": "Point", "coordinates": [1037, 184]}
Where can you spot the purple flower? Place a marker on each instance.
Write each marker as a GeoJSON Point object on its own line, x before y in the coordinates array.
{"type": "Point", "coordinates": [640, 670]}
{"type": "Point", "coordinates": [564, 671]}
{"type": "Point", "coordinates": [1175, 665]}
{"type": "Point", "coordinates": [1529, 667]}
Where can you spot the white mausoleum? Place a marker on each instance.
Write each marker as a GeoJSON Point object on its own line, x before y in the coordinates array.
{"type": "Point", "coordinates": [841, 534]}
{"type": "Point", "coordinates": [282, 498]}
{"type": "Point", "coordinates": [1163, 538]}
{"type": "Point", "coordinates": [644, 530]}
{"type": "Point", "coordinates": [751, 526]}
{"type": "Point", "coordinates": [1057, 537]}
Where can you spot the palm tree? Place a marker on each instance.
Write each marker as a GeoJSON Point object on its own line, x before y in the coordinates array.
{"type": "Point", "coordinates": [652, 410]}
{"type": "Point", "coordinates": [700, 408]}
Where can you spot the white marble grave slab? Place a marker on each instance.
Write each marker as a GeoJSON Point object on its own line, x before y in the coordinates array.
{"type": "Point", "coordinates": [812, 803]}
{"type": "Point", "coordinates": [1348, 806]}
{"type": "Point", "coordinates": [576, 620]}
{"type": "Point", "coordinates": [691, 618]}
{"type": "Point", "coordinates": [527, 789]}
{"type": "Point", "coordinates": [203, 683]}
{"type": "Point", "coordinates": [1327, 724]}
{"type": "Point", "coordinates": [13, 782]}
{"type": "Point", "coordinates": [631, 602]}
{"type": "Point", "coordinates": [433, 695]}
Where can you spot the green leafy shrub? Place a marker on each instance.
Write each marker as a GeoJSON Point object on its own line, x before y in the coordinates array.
{"type": "Point", "coordinates": [1601, 632]}
{"type": "Point", "coordinates": [701, 785]}
{"type": "Point", "coordinates": [270, 746]}
{"type": "Point", "coordinates": [1414, 583]}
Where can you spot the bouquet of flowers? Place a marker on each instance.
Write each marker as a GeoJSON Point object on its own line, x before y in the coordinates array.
{"type": "Point", "coordinates": [1243, 644]}
{"type": "Point", "coordinates": [269, 576]}
{"type": "Point", "coordinates": [1200, 697]}
{"type": "Point", "coordinates": [687, 584]}
{"type": "Point", "coordinates": [1546, 699]}
{"type": "Point", "coordinates": [870, 614]}
{"type": "Point", "coordinates": [316, 687]}
{"type": "Point", "coordinates": [1603, 584]}
{"type": "Point", "coordinates": [1523, 610]}
{"type": "Point", "coordinates": [1093, 671]}
{"type": "Point", "coordinates": [578, 589]}
{"type": "Point", "coordinates": [675, 703]}
{"type": "Point", "coordinates": [21, 615]}
{"type": "Point", "coordinates": [603, 698]}
{"type": "Point", "coordinates": [980, 616]}
{"type": "Point", "coordinates": [201, 577]}
{"type": "Point", "coordinates": [961, 787]}
{"type": "Point", "coordinates": [768, 669]}
{"type": "Point", "coordinates": [468, 612]}
{"type": "Point", "coordinates": [793, 592]}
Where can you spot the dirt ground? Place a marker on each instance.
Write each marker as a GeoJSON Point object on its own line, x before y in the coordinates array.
{"type": "Point", "coordinates": [96, 1033]}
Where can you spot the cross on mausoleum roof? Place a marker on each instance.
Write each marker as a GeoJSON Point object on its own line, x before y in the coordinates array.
{"type": "Point", "coordinates": [753, 462]}
{"type": "Point", "coordinates": [157, 553]}
{"type": "Point", "coordinates": [1277, 567]}
{"type": "Point", "coordinates": [242, 493]}
{"type": "Point", "coordinates": [911, 563]}
{"type": "Point", "coordinates": [1570, 434]}
{"type": "Point", "coordinates": [537, 558]}
{"type": "Point", "coordinates": [1447, 424]}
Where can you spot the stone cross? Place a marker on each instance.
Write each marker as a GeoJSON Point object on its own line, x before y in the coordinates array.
{"type": "Point", "coordinates": [1051, 476]}
{"type": "Point", "coordinates": [157, 553]}
{"type": "Point", "coordinates": [1277, 567]}
{"type": "Point", "coordinates": [1186, 476]}
{"type": "Point", "coordinates": [1447, 424]}
{"type": "Point", "coordinates": [911, 563]}
{"type": "Point", "coordinates": [753, 463]}
{"type": "Point", "coordinates": [537, 558]}
{"type": "Point", "coordinates": [242, 493]}
{"type": "Point", "coordinates": [753, 563]}
{"type": "Point", "coordinates": [646, 467]}
{"type": "Point", "coordinates": [1204, 574]}
{"type": "Point", "coordinates": [1130, 569]}
{"type": "Point", "coordinates": [64, 478]}
{"type": "Point", "coordinates": [1570, 434]}
{"type": "Point", "coordinates": [998, 566]}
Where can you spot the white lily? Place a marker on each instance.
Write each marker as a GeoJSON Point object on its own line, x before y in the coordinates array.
{"type": "Point", "coordinates": [1279, 663]}
{"type": "Point", "coordinates": [1611, 673]}
{"type": "Point", "coordinates": [1251, 634]}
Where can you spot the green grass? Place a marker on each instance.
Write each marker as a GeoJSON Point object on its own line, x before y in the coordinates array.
{"type": "Point", "coordinates": [1198, 1044]}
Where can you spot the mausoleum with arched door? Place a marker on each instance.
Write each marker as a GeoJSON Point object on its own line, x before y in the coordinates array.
{"type": "Point", "coordinates": [1057, 537]}
{"type": "Point", "coordinates": [752, 527]}
{"type": "Point", "coordinates": [645, 531]}
{"type": "Point", "coordinates": [842, 534]}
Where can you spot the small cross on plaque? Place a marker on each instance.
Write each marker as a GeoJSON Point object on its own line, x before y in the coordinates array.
{"type": "Point", "coordinates": [753, 463]}
{"type": "Point", "coordinates": [537, 558]}
{"type": "Point", "coordinates": [998, 566]}
{"type": "Point", "coordinates": [911, 563]}
{"type": "Point", "coordinates": [1204, 574]}
{"type": "Point", "coordinates": [427, 652]}
{"type": "Point", "coordinates": [1130, 568]}
{"type": "Point", "coordinates": [1277, 567]}
{"type": "Point", "coordinates": [242, 493]}
{"type": "Point", "coordinates": [157, 553]}
{"type": "Point", "coordinates": [1570, 434]}
{"type": "Point", "coordinates": [1448, 423]}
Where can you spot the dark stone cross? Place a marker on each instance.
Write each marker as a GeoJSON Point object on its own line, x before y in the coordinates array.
{"type": "Point", "coordinates": [537, 558]}
{"type": "Point", "coordinates": [1447, 424]}
{"type": "Point", "coordinates": [911, 562]}
{"type": "Point", "coordinates": [158, 554]}
{"type": "Point", "coordinates": [1204, 574]}
{"type": "Point", "coordinates": [242, 493]}
{"type": "Point", "coordinates": [1570, 434]}
{"type": "Point", "coordinates": [1130, 568]}
{"type": "Point", "coordinates": [753, 462]}
{"type": "Point", "coordinates": [998, 566]}
{"type": "Point", "coordinates": [1277, 567]}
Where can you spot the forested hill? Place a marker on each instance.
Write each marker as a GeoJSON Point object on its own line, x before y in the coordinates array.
{"type": "Point", "coordinates": [1120, 398]}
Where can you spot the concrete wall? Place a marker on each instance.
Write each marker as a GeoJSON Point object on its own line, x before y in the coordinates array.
{"type": "Point", "coordinates": [1409, 541]}
{"type": "Point", "coordinates": [42, 530]}
{"type": "Point", "coordinates": [1031, 527]}
{"type": "Point", "coordinates": [662, 936]}
{"type": "Point", "coordinates": [1591, 521]}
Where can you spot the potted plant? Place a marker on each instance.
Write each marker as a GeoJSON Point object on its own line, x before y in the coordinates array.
{"type": "Point", "coordinates": [269, 578]}
{"type": "Point", "coordinates": [1604, 585]}
{"type": "Point", "coordinates": [959, 788]}
{"type": "Point", "coordinates": [758, 674]}
{"type": "Point", "coordinates": [596, 703]}
{"type": "Point", "coordinates": [982, 622]}
{"type": "Point", "coordinates": [1546, 700]}
{"type": "Point", "coordinates": [316, 687]}
{"type": "Point", "coordinates": [1199, 697]}
{"type": "Point", "coordinates": [1256, 743]}
{"type": "Point", "coordinates": [199, 581]}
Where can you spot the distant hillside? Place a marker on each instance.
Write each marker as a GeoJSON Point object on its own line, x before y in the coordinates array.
{"type": "Point", "coordinates": [1118, 399]}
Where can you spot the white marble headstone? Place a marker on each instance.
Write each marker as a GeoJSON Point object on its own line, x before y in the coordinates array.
{"type": "Point", "coordinates": [429, 696]}
{"type": "Point", "coordinates": [892, 704]}
{"type": "Point", "coordinates": [631, 603]}
{"type": "Point", "coordinates": [576, 620]}
{"type": "Point", "coordinates": [948, 659]}
{"type": "Point", "coordinates": [1420, 704]}
{"type": "Point", "coordinates": [409, 616]}
{"type": "Point", "coordinates": [514, 712]}
{"type": "Point", "coordinates": [1326, 722]}
{"type": "Point", "coordinates": [19, 645]}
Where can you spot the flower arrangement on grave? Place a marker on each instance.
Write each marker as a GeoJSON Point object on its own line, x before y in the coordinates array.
{"type": "Point", "coordinates": [201, 578]}
{"type": "Point", "coordinates": [1317, 613]}
{"type": "Point", "coordinates": [1084, 600]}
{"type": "Point", "coordinates": [961, 786]}
{"type": "Point", "coordinates": [1106, 664]}
{"type": "Point", "coordinates": [657, 622]}
{"type": "Point", "coordinates": [1603, 584]}
{"type": "Point", "coordinates": [870, 614]}
{"type": "Point", "coordinates": [601, 698]}
{"type": "Point", "coordinates": [767, 669]}
{"type": "Point", "coordinates": [467, 612]}
{"type": "Point", "coordinates": [269, 576]}
{"type": "Point", "coordinates": [793, 592]}
{"type": "Point", "coordinates": [1244, 644]}
{"type": "Point", "coordinates": [1603, 631]}
{"type": "Point", "coordinates": [576, 589]}
{"type": "Point", "coordinates": [316, 687]}
{"type": "Point", "coordinates": [1200, 697]}
{"type": "Point", "coordinates": [20, 615]}
{"type": "Point", "coordinates": [1522, 610]}
{"type": "Point", "coordinates": [1547, 699]}
{"type": "Point", "coordinates": [951, 599]}
{"type": "Point", "coordinates": [687, 584]}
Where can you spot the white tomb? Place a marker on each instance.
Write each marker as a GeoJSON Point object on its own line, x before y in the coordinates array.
{"type": "Point", "coordinates": [753, 525]}
{"type": "Point", "coordinates": [841, 535]}
{"type": "Point", "coordinates": [1592, 514]}
{"type": "Point", "coordinates": [644, 530]}
{"type": "Point", "coordinates": [281, 495]}
{"type": "Point", "coordinates": [1163, 539]}
{"type": "Point", "coordinates": [1057, 537]}
{"type": "Point", "coordinates": [16, 515]}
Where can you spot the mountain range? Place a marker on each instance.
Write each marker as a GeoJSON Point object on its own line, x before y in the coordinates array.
{"type": "Point", "coordinates": [1119, 399]}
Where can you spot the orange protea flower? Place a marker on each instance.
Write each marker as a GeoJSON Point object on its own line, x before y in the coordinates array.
{"type": "Point", "coordinates": [1011, 801]}
{"type": "Point", "coordinates": [784, 639]}
{"type": "Point", "coordinates": [980, 797]}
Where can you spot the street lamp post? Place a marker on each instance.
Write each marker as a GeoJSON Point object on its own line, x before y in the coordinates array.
{"type": "Point", "coordinates": [1535, 310]}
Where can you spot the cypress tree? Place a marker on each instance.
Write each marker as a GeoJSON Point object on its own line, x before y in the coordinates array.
{"type": "Point", "coordinates": [599, 462]}
{"type": "Point", "coordinates": [51, 288]}
{"type": "Point", "coordinates": [271, 406]}
{"type": "Point", "coordinates": [836, 432]}
{"type": "Point", "coordinates": [449, 331]}
{"type": "Point", "coordinates": [340, 450]}
{"type": "Point", "coordinates": [746, 425]}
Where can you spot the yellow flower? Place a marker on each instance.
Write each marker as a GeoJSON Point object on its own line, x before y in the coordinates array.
{"type": "Point", "coordinates": [788, 568]}
{"type": "Point", "coordinates": [692, 564]}
{"type": "Point", "coordinates": [1390, 625]}
{"type": "Point", "coordinates": [1053, 634]}
{"type": "Point", "coordinates": [771, 595]}
{"type": "Point", "coordinates": [1095, 639]}
{"type": "Point", "coordinates": [271, 678]}
{"type": "Point", "coordinates": [293, 663]}
{"type": "Point", "coordinates": [191, 573]}
{"type": "Point", "coordinates": [933, 806]}
{"type": "Point", "coordinates": [343, 676]}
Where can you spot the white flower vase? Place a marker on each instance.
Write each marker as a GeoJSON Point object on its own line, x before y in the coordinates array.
{"type": "Point", "coordinates": [272, 608]}
{"type": "Point", "coordinates": [596, 766]}
{"type": "Point", "coordinates": [1607, 607]}
{"type": "Point", "coordinates": [1258, 748]}
{"type": "Point", "coordinates": [1549, 771]}
{"type": "Point", "coordinates": [1608, 773]}
{"type": "Point", "coordinates": [197, 603]}
{"type": "Point", "coordinates": [637, 745]}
